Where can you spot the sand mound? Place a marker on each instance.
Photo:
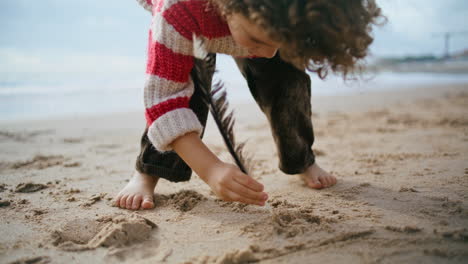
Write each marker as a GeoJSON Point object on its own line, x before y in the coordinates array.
{"type": "Point", "coordinates": [86, 234]}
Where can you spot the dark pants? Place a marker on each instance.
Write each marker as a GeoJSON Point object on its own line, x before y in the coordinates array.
{"type": "Point", "coordinates": [282, 92]}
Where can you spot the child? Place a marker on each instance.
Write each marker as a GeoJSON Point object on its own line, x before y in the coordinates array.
{"type": "Point", "coordinates": [261, 35]}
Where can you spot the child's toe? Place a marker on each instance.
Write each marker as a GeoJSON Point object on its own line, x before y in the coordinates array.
{"type": "Point", "coordinates": [123, 201]}
{"type": "Point", "coordinates": [324, 181]}
{"type": "Point", "coordinates": [137, 202]}
{"type": "Point", "coordinates": [314, 183]}
{"type": "Point", "coordinates": [116, 201]}
{"type": "Point", "coordinates": [147, 202]}
{"type": "Point", "coordinates": [129, 202]}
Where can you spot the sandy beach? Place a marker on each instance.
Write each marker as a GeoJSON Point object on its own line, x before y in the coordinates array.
{"type": "Point", "coordinates": [401, 159]}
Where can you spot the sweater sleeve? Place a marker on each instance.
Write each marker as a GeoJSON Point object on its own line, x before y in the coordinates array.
{"type": "Point", "coordinates": [146, 4]}
{"type": "Point", "coordinates": [169, 87]}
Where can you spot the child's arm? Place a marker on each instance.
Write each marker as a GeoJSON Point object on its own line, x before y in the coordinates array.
{"type": "Point", "coordinates": [226, 180]}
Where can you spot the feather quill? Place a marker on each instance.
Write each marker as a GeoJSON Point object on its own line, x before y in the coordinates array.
{"type": "Point", "coordinates": [219, 106]}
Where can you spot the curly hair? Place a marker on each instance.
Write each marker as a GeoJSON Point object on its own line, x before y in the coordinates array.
{"type": "Point", "coordinates": [317, 35]}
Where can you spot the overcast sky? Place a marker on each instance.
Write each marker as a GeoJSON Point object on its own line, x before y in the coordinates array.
{"type": "Point", "coordinates": [414, 24]}
{"type": "Point", "coordinates": [108, 38]}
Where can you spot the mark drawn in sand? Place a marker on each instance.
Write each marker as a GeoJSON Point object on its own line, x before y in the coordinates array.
{"type": "Point", "coordinates": [94, 199]}
{"type": "Point", "coordinates": [408, 189]}
{"type": "Point", "coordinates": [352, 192]}
{"type": "Point", "coordinates": [288, 220]}
{"type": "Point", "coordinates": [72, 140]}
{"type": "Point", "coordinates": [255, 253]}
{"type": "Point", "coordinates": [410, 120]}
{"type": "Point", "coordinates": [235, 206]}
{"type": "Point", "coordinates": [455, 235]}
{"type": "Point", "coordinates": [4, 203]}
{"type": "Point", "coordinates": [32, 260]}
{"type": "Point", "coordinates": [184, 200]}
{"type": "Point", "coordinates": [39, 162]}
{"type": "Point", "coordinates": [406, 229]}
{"type": "Point", "coordinates": [30, 187]}
{"type": "Point", "coordinates": [242, 208]}
{"type": "Point", "coordinates": [106, 149]}
{"type": "Point", "coordinates": [109, 232]}
{"type": "Point", "coordinates": [444, 253]}
{"type": "Point", "coordinates": [445, 206]}
{"type": "Point", "coordinates": [72, 165]}
{"type": "Point", "coordinates": [23, 136]}
{"type": "Point", "coordinates": [36, 214]}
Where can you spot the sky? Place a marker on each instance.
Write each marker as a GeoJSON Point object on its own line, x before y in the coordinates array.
{"type": "Point", "coordinates": [51, 41]}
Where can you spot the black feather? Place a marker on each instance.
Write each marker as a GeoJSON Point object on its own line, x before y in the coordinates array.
{"type": "Point", "coordinates": [218, 104]}
{"type": "Point", "coordinates": [225, 121]}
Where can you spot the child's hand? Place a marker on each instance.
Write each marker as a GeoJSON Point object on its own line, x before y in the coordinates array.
{"type": "Point", "coordinates": [226, 180]}
{"type": "Point", "coordinates": [229, 183]}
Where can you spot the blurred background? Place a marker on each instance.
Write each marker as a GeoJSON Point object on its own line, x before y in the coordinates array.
{"type": "Point", "coordinates": [69, 58]}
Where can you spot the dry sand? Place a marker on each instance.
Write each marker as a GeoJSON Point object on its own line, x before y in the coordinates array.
{"type": "Point", "coordinates": [401, 159]}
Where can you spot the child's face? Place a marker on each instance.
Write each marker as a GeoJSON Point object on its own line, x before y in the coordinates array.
{"type": "Point", "coordinates": [251, 36]}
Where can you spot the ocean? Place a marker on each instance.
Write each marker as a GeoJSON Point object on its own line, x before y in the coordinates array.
{"type": "Point", "coordinates": [27, 100]}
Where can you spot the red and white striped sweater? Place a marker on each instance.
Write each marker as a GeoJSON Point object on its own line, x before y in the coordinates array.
{"type": "Point", "coordinates": [169, 87]}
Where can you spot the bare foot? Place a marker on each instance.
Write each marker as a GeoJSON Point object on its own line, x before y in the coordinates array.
{"type": "Point", "coordinates": [316, 178]}
{"type": "Point", "coordinates": [138, 193]}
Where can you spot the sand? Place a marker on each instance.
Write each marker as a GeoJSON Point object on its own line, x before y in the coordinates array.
{"type": "Point", "coordinates": [401, 159]}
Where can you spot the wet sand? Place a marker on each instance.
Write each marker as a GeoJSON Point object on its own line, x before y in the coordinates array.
{"type": "Point", "coordinates": [401, 159]}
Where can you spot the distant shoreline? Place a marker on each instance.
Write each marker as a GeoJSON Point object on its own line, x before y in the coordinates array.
{"type": "Point", "coordinates": [62, 103]}
{"type": "Point", "coordinates": [432, 66]}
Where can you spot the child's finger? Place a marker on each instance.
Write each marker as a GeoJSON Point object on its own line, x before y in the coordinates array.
{"type": "Point", "coordinates": [248, 182]}
{"type": "Point", "coordinates": [247, 193]}
{"type": "Point", "coordinates": [236, 197]}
